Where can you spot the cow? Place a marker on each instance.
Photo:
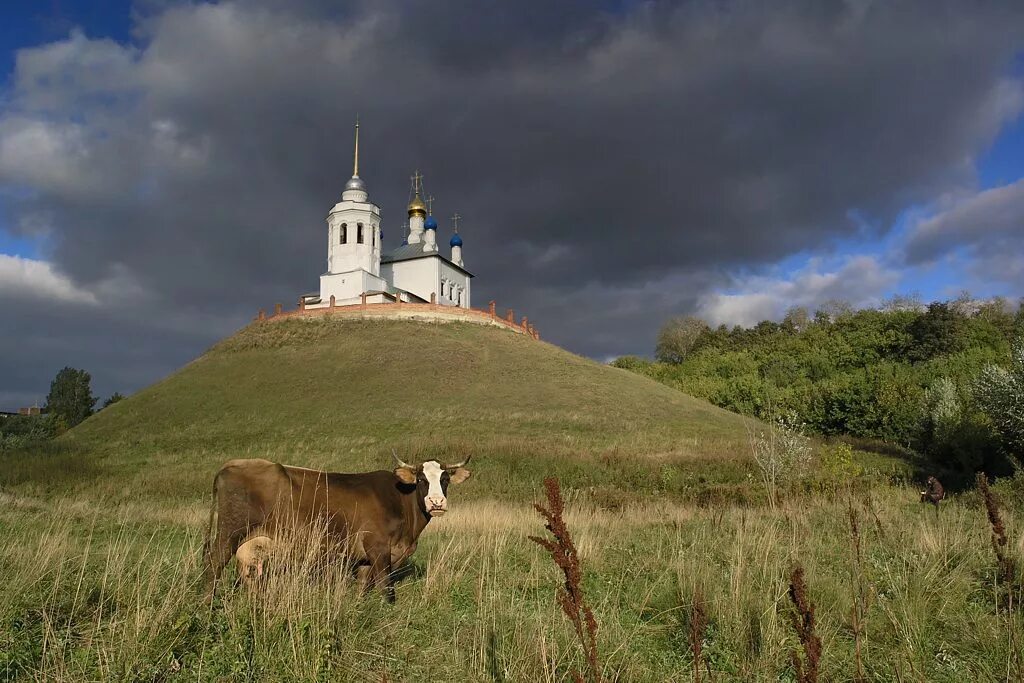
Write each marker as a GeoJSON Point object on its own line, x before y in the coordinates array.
{"type": "Point", "coordinates": [376, 517]}
{"type": "Point", "coordinates": [933, 492]}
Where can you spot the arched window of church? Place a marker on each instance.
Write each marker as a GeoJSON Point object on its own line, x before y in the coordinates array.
{"type": "Point", "coordinates": [344, 234]}
{"type": "Point", "coordinates": [359, 233]}
{"type": "Point", "coordinates": [373, 235]}
{"type": "Point", "coordinates": [442, 287]}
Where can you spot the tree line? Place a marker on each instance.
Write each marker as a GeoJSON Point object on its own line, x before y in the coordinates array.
{"type": "Point", "coordinates": [69, 402]}
{"type": "Point", "coordinates": [946, 379]}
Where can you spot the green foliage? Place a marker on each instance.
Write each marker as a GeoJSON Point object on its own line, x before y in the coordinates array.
{"type": "Point", "coordinates": [865, 373]}
{"type": "Point", "coordinates": [1000, 393]}
{"type": "Point", "coordinates": [838, 464]}
{"type": "Point", "coordinates": [114, 398]}
{"type": "Point", "coordinates": [937, 332]}
{"type": "Point", "coordinates": [70, 396]}
{"type": "Point", "coordinates": [19, 431]}
{"type": "Point", "coordinates": [678, 338]}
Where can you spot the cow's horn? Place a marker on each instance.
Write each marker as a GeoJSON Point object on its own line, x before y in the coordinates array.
{"type": "Point", "coordinates": [398, 460]}
{"type": "Point", "coordinates": [460, 464]}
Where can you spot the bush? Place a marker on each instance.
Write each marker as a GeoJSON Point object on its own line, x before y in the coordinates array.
{"type": "Point", "coordinates": [1000, 394]}
{"type": "Point", "coordinates": [837, 462]}
{"type": "Point", "coordinates": [19, 431]}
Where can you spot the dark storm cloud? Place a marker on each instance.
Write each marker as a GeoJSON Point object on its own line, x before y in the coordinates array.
{"type": "Point", "coordinates": [612, 162]}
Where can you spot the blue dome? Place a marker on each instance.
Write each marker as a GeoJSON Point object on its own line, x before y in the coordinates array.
{"type": "Point", "coordinates": [456, 241]}
{"type": "Point", "coordinates": [431, 223]}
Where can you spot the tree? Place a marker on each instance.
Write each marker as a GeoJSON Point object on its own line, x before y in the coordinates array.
{"type": "Point", "coordinates": [70, 398]}
{"type": "Point", "coordinates": [1000, 393]}
{"type": "Point", "coordinates": [936, 332]}
{"type": "Point", "coordinates": [114, 398]}
{"type": "Point", "coordinates": [678, 338]}
{"type": "Point", "coordinates": [797, 319]}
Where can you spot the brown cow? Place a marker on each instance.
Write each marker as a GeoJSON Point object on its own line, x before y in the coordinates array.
{"type": "Point", "coordinates": [377, 516]}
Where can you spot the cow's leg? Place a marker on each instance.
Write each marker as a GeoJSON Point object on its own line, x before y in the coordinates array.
{"type": "Point", "coordinates": [228, 530]}
{"type": "Point", "coordinates": [380, 570]}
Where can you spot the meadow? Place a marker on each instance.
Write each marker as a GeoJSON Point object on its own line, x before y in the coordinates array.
{"type": "Point", "coordinates": [96, 593]}
{"type": "Point", "coordinates": [101, 531]}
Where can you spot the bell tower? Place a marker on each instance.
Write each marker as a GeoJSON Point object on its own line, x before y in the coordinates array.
{"type": "Point", "coordinates": [353, 227]}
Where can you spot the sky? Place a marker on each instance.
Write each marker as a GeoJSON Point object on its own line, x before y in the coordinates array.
{"type": "Point", "coordinates": [166, 168]}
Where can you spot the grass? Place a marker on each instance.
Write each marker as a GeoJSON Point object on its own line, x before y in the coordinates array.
{"type": "Point", "coordinates": [100, 531]}
{"type": "Point", "coordinates": [103, 593]}
{"type": "Point", "coordinates": [341, 394]}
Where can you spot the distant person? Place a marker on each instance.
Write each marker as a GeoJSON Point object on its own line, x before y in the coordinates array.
{"type": "Point", "coordinates": [933, 492]}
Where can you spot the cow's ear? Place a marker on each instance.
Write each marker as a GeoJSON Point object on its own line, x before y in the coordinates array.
{"type": "Point", "coordinates": [405, 475]}
{"type": "Point", "coordinates": [460, 475]}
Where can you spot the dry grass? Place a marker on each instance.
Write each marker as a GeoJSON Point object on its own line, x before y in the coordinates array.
{"type": "Point", "coordinates": [97, 596]}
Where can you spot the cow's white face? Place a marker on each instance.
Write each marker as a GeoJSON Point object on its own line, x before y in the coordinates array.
{"type": "Point", "coordinates": [432, 480]}
{"type": "Point", "coordinates": [435, 501]}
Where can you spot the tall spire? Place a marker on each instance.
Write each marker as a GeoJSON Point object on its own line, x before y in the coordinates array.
{"type": "Point", "coordinates": [355, 163]}
{"type": "Point", "coordinates": [355, 188]}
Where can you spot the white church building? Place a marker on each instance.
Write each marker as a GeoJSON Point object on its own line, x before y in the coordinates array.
{"type": "Point", "coordinates": [359, 271]}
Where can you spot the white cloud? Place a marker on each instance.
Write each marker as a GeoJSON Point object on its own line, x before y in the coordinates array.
{"type": "Point", "coordinates": [986, 228]}
{"type": "Point", "coordinates": [861, 281]}
{"type": "Point", "coordinates": [32, 279]}
{"type": "Point", "coordinates": [52, 75]}
{"type": "Point", "coordinates": [966, 221]}
{"type": "Point", "coordinates": [46, 156]}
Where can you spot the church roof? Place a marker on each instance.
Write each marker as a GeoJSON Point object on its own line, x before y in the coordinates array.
{"type": "Point", "coordinates": [408, 252]}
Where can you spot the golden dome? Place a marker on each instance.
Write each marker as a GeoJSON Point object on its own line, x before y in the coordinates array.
{"type": "Point", "coordinates": [416, 206]}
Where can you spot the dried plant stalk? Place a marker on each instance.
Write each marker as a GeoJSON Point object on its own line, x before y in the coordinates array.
{"type": "Point", "coordinates": [1007, 569]}
{"type": "Point", "coordinates": [803, 624]}
{"type": "Point", "coordinates": [570, 596]}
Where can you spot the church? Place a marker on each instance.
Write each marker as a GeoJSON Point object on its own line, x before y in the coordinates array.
{"type": "Point", "coordinates": [359, 271]}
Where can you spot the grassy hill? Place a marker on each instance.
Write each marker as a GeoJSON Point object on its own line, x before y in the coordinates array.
{"type": "Point", "coordinates": [340, 394]}
{"type": "Point", "coordinates": [101, 530]}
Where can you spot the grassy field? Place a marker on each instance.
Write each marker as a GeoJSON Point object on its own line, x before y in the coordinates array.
{"type": "Point", "coordinates": [100, 532]}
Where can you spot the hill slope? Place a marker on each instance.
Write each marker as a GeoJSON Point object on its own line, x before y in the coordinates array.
{"type": "Point", "coordinates": [340, 394]}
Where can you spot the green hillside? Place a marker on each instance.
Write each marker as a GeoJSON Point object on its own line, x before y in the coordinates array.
{"type": "Point", "coordinates": [341, 394]}
{"type": "Point", "coordinates": [101, 530]}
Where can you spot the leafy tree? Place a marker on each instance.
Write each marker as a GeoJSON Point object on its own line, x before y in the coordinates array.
{"type": "Point", "coordinates": [70, 398]}
{"type": "Point", "coordinates": [114, 398]}
{"type": "Point", "coordinates": [935, 332]}
{"type": "Point", "coordinates": [678, 338]}
{"type": "Point", "coordinates": [797, 319]}
{"type": "Point", "coordinates": [1000, 393]}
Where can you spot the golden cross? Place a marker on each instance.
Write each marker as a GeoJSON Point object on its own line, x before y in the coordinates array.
{"type": "Point", "coordinates": [417, 181]}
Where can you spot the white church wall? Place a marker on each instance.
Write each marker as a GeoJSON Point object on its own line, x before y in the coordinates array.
{"type": "Point", "coordinates": [419, 276]}
{"type": "Point", "coordinates": [352, 255]}
{"type": "Point", "coordinates": [347, 288]}
{"type": "Point", "coordinates": [454, 277]}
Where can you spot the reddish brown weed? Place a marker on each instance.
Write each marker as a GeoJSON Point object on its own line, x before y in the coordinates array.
{"type": "Point", "coordinates": [803, 624]}
{"type": "Point", "coordinates": [570, 597]}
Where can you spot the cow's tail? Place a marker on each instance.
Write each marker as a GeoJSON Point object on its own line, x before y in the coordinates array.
{"type": "Point", "coordinates": [210, 540]}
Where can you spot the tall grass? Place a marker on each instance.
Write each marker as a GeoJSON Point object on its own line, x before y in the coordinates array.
{"type": "Point", "coordinates": [94, 593]}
